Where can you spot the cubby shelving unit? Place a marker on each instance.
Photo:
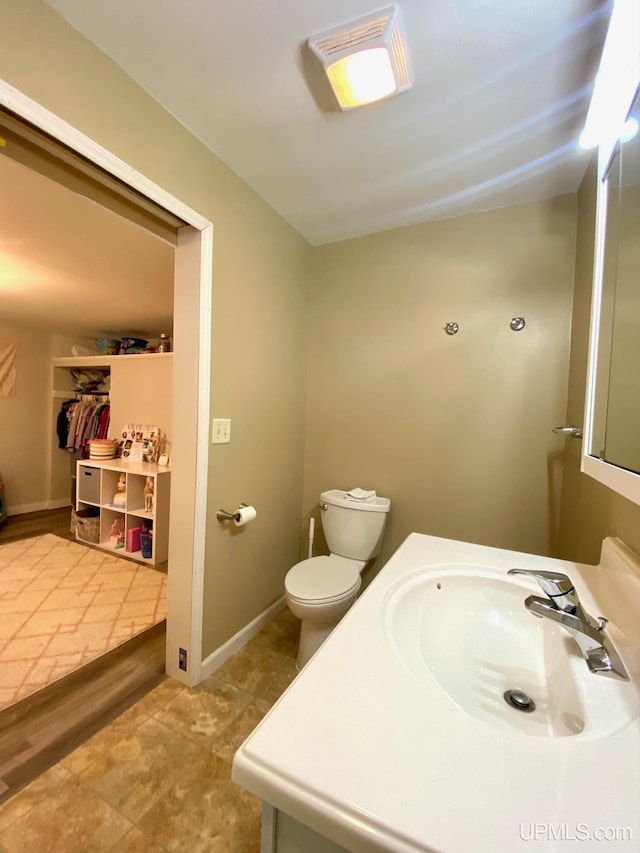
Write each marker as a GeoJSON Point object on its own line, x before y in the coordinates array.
{"type": "Point", "coordinates": [97, 484]}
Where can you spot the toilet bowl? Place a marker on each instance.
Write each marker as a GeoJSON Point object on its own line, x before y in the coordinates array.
{"type": "Point", "coordinates": [320, 590]}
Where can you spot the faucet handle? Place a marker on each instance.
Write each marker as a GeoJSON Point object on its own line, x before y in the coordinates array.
{"type": "Point", "coordinates": [557, 586]}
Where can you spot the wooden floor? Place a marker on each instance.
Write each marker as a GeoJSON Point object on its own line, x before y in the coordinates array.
{"type": "Point", "coordinates": [38, 731]}
{"type": "Point", "coordinates": [30, 524]}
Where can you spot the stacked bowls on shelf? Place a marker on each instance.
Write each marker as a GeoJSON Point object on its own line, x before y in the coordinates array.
{"type": "Point", "coordinates": [120, 346]}
{"type": "Point", "coordinates": [107, 346]}
{"type": "Point", "coordinates": [102, 448]}
{"type": "Point", "coordinates": [131, 346]}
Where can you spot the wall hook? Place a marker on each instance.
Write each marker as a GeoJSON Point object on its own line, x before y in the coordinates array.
{"type": "Point", "coordinates": [451, 328]}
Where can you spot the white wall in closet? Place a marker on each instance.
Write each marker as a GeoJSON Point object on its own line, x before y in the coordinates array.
{"type": "Point", "coordinates": [27, 422]}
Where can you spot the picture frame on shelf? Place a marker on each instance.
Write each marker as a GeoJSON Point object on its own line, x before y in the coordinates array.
{"type": "Point", "coordinates": [139, 443]}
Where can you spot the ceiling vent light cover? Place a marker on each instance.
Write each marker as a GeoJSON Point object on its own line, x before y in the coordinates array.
{"type": "Point", "coordinates": [365, 60]}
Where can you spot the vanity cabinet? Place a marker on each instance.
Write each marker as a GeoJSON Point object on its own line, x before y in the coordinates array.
{"type": "Point", "coordinates": [282, 834]}
{"type": "Point", "coordinates": [118, 525]}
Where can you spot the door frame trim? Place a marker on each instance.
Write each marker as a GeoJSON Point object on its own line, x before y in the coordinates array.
{"type": "Point", "coordinates": [186, 580]}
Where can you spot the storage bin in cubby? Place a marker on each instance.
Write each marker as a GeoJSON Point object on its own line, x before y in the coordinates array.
{"type": "Point", "coordinates": [88, 484]}
{"type": "Point", "coordinates": [88, 525]}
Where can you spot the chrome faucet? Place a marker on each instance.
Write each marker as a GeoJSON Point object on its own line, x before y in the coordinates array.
{"type": "Point", "coordinates": [563, 606]}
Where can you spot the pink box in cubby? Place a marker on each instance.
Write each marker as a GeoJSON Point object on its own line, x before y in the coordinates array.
{"type": "Point", "coordinates": [133, 539]}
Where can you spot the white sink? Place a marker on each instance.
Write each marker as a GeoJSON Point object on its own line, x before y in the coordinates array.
{"type": "Point", "coordinates": [465, 630]}
{"type": "Point", "coordinates": [401, 712]}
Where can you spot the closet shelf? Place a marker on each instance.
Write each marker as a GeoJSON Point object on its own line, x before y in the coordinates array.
{"type": "Point", "coordinates": [104, 360]}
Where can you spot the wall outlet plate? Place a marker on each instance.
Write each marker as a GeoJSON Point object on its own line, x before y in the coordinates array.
{"type": "Point", "coordinates": [182, 659]}
{"type": "Point", "coordinates": [221, 431]}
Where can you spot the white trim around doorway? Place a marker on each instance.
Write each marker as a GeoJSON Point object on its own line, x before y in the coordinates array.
{"type": "Point", "coordinates": [186, 580]}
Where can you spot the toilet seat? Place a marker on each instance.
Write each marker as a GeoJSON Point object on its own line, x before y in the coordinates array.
{"type": "Point", "coordinates": [322, 580]}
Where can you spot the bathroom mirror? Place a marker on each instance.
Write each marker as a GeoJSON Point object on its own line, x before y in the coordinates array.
{"type": "Point", "coordinates": [612, 419]}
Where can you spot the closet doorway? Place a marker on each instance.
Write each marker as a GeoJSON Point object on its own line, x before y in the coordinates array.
{"type": "Point", "coordinates": [191, 367]}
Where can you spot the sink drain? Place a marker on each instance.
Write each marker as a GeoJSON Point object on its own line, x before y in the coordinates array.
{"type": "Point", "coordinates": [519, 700]}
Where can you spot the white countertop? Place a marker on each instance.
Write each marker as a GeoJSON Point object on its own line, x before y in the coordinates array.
{"type": "Point", "coordinates": [365, 754]}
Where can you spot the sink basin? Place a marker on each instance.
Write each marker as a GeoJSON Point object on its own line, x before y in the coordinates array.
{"type": "Point", "coordinates": [465, 631]}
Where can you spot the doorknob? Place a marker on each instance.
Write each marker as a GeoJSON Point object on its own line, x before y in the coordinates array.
{"type": "Point", "coordinates": [569, 431]}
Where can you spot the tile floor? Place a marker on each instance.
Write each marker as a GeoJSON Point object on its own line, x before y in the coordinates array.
{"type": "Point", "coordinates": [158, 777]}
{"type": "Point", "coordinates": [63, 604]}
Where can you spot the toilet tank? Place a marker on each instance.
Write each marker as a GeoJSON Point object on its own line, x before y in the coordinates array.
{"type": "Point", "coordinates": [353, 529]}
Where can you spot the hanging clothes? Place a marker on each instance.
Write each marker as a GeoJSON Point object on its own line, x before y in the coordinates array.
{"type": "Point", "coordinates": [79, 421]}
{"type": "Point", "coordinates": [62, 423]}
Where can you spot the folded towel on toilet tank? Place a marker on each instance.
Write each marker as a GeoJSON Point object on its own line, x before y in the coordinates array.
{"type": "Point", "coordinates": [361, 495]}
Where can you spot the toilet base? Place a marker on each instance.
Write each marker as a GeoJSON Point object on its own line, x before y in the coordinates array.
{"type": "Point", "coordinates": [312, 636]}
{"type": "Point", "coordinates": [318, 619]}
{"type": "Point", "coordinates": [317, 622]}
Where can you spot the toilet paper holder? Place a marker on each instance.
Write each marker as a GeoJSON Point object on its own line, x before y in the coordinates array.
{"type": "Point", "coordinates": [223, 515]}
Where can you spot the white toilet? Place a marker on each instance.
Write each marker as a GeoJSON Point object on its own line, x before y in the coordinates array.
{"type": "Point", "coordinates": [320, 590]}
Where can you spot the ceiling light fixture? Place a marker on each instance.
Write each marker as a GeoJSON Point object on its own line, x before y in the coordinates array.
{"type": "Point", "coordinates": [365, 60]}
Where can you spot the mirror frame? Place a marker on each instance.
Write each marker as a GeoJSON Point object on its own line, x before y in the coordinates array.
{"type": "Point", "coordinates": [622, 481]}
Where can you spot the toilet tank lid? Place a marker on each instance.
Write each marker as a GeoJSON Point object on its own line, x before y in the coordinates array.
{"type": "Point", "coordinates": [338, 497]}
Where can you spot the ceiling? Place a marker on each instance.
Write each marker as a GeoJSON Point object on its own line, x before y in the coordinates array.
{"type": "Point", "coordinates": [70, 265]}
{"type": "Point", "coordinates": [500, 94]}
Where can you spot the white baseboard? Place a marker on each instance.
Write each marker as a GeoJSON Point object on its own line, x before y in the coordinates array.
{"type": "Point", "coordinates": [21, 509]}
{"type": "Point", "coordinates": [224, 652]}
{"type": "Point", "coordinates": [59, 503]}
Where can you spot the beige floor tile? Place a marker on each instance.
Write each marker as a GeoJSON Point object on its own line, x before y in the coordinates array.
{"type": "Point", "coordinates": [281, 634]}
{"type": "Point", "coordinates": [122, 727]}
{"type": "Point", "coordinates": [158, 698]}
{"type": "Point", "coordinates": [136, 770]}
{"type": "Point", "coordinates": [136, 841]}
{"type": "Point", "coordinates": [259, 670]}
{"type": "Point", "coordinates": [164, 765]}
{"type": "Point", "coordinates": [205, 812]}
{"type": "Point", "coordinates": [202, 713]}
{"type": "Point", "coordinates": [42, 788]}
{"type": "Point", "coordinates": [70, 819]}
{"type": "Point", "coordinates": [235, 734]}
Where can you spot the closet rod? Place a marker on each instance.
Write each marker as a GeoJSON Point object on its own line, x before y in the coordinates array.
{"type": "Point", "coordinates": [96, 397]}
{"type": "Point", "coordinates": [79, 395]}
